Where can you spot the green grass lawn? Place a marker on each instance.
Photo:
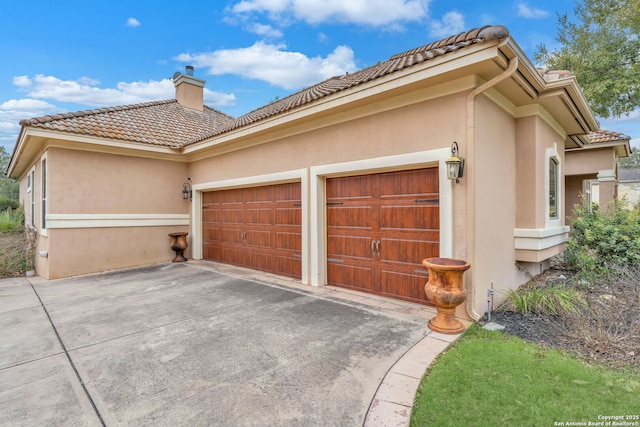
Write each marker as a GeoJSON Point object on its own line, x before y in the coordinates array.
{"type": "Point", "coordinates": [492, 379]}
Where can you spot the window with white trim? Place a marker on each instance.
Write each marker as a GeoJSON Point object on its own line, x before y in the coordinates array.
{"type": "Point", "coordinates": [553, 181]}
{"type": "Point", "coordinates": [31, 177]}
{"type": "Point", "coordinates": [554, 171]}
{"type": "Point", "coordinates": [587, 195]}
{"type": "Point", "coordinates": [43, 195]}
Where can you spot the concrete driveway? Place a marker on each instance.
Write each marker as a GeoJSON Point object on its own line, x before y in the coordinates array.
{"type": "Point", "coordinates": [203, 344]}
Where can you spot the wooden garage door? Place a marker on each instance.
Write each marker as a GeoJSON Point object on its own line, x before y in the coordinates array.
{"type": "Point", "coordinates": [379, 229]}
{"type": "Point", "coordinates": [258, 227]}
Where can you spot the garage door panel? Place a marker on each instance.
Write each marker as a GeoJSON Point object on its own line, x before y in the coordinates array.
{"type": "Point", "coordinates": [413, 217]}
{"type": "Point", "coordinates": [254, 195]}
{"type": "Point", "coordinates": [259, 260]}
{"type": "Point", "coordinates": [288, 241]}
{"type": "Point", "coordinates": [409, 287]}
{"type": "Point", "coordinates": [230, 235]}
{"type": "Point", "coordinates": [260, 238]}
{"type": "Point", "coordinates": [231, 216]}
{"type": "Point", "coordinates": [349, 247]}
{"type": "Point", "coordinates": [406, 251]}
{"type": "Point", "coordinates": [259, 216]}
{"type": "Point", "coordinates": [352, 187]}
{"type": "Point", "coordinates": [288, 216]}
{"type": "Point", "coordinates": [288, 265]}
{"type": "Point", "coordinates": [410, 183]}
{"type": "Point", "coordinates": [350, 216]}
{"type": "Point", "coordinates": [351, 276]}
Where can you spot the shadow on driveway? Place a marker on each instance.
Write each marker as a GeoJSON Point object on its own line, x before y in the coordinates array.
{"type": "Point", "coordinates": [188, 344]}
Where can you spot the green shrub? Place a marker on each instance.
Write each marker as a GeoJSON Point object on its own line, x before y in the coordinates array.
{"type": "Point", "coordinates": [14, 256]}
{"type": "Point", "coordinates": [6, 203]}
{"type": "Point", "coordinates": [11, 221]}
{"type": "Point", "coordinates": [604, 238]}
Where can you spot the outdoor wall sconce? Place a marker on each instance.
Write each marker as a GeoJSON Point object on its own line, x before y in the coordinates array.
{"type": "Point", "coordinates": [186, 190]}
{"type": "Point", "coordinates": [455, 164]}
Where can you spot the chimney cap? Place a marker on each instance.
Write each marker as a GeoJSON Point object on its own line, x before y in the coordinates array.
{"type": "Point", "coordinates": [189, 70]}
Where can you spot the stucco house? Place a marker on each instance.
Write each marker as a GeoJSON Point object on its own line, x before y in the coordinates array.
{"type": "Point", "coordinates": [592, 170]}
{"type": "Point", "coordinates": [343, 183]}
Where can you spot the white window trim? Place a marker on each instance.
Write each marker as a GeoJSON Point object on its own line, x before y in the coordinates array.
{"type": "Point", "coordinates": [552, 153]}
{"type": "Point", "coordinates": [31, 177]}
{"type": "Point", "coordinates": [44, 200]}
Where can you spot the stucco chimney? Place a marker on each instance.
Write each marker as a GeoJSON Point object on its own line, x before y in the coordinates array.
{"type": "Point", "coordinates": [189, 90]}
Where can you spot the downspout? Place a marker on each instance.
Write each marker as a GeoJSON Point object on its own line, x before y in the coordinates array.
{"type": "Point", "coordinates": [471, 185]}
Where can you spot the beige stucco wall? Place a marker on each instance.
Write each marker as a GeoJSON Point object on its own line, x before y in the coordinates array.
{"type": "Point", "coordinates": [86, 189]}
{"type": "Point", "coordinates": [89, 250]}
{"type": "Point", "coordinates": [587, 161]}
{"type": "Point", "coordinates": [494, 262]}
{"type": "Point", "coordinates": [418, 127]}
{"type": "Point", "coordinates": [84, 182]}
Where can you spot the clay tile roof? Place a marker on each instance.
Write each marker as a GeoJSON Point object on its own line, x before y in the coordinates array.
{"type": "Point", "coordinates": [602, 136]}
{"type": "Point", "coordinates": [395, 63]}
{"type": "Point", "coordinates": [164, 123]}
{"type": "Point", "coordinates": [169, 124]}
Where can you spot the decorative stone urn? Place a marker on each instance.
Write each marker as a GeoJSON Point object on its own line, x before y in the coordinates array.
{"type": "Point", "coordinates": [179, 245]}
{"type": "Point", "coordinates": [446, 290]}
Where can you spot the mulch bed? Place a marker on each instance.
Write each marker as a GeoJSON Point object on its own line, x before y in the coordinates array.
{"type": "Point", "coordinates": [608, 334]}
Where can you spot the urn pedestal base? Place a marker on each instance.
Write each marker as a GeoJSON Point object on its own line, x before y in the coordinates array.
{"type": "Point", "coordinates": [179, 245]}
{"type": "Point", "coordinates": [446, 290]}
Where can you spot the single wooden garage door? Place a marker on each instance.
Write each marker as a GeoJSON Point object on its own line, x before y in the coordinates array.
{"type": "Point", "coordinates": [379, 229]}
{"type": "Point", "coordinates": [257, 227]}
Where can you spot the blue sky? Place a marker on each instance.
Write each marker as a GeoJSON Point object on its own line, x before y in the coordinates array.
{"type": "Point", "coordinates": [73, 55]}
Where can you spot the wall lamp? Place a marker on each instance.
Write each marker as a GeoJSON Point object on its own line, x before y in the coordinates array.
{"type": "Point", "coordinates": [455, 164]}
{"type": "Point", "coordinates": [187, 193]}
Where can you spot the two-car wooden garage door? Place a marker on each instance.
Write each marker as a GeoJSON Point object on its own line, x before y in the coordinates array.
{"type": "Point", "coordinates": [379, 227]}
{"type": "Point", "coordinates": [257, 227]}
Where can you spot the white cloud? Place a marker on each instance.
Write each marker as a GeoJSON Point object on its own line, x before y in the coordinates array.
{"type": "Point", "coordinates": [272, 64]}
{"type": "Point", "coordinates": [532, 13]}
{"type": "Point", "coordinates": [451, 24]}
{"type": "Point", "coordinates": [14, 110]}
{"type": "Point", "coordinates": [374, 13]}
{"type": "Point", "coordinates": [22, 81]}
{"type": "Point", "coordinates": [264, 30]}
{"type": "Point", "coordinates": [84, 91]}
{"type": "Point", "coordinates": [133, 22]}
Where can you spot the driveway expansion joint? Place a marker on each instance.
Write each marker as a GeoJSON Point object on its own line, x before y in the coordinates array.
{"type": "Point", "coordinates": [64, 349]}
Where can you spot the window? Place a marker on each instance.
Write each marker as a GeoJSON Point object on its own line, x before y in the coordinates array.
{"type": "Point", "coordinates": [44, 193]}
{"type": "Point", "coordinates": [554, 167]}
{"type": "Point", "coordinates": [30, 180]}
{"type": "Point", "coordinates": [587, 195]}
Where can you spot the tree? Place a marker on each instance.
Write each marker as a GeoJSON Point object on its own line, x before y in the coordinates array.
{"type": "Point", "coordinates": [603, 52]}
{"type": "Point", "coordinates": [9, 188]}
{"type": "Point", "coordinates": [631, 162]}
